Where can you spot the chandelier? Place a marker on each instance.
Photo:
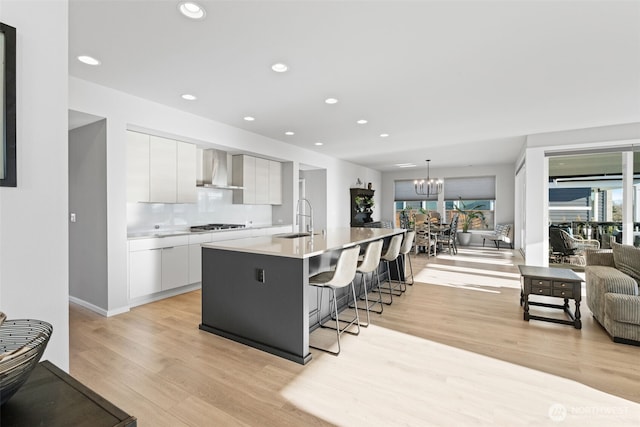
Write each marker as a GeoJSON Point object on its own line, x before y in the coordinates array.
{"type": "Point", "coordinates": [428, 187]}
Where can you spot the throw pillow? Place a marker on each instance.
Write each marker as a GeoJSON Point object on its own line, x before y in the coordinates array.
{"type": "Point", "coordinates": [627, 259]}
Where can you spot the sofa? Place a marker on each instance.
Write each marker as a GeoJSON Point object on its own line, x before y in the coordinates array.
{"type": "Point", "coordinates": [502, 233]}
{"type": "Point", "coordinates": [612, 277]}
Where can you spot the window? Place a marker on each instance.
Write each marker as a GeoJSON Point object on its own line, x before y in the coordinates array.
{"type": "Point", "coordinates": [470, 191]}
{"type": "Point", "coordinates": [476, 193]}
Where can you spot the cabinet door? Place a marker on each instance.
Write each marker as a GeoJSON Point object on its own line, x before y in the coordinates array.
{"type": "Point", "coordinates": [195, 263]}
{"type": "Point", "coordinates": [175, 267]}
{"type": "Point", "coordinates": [162, 168]}
{"type": "Point", "coordinates": [244, 175]}
{"type": "Point", "coordinates": [186, 173]}
{"type": "Point", "coordinates": [145, 274]}
{"type": "Point", "coordinates": [275, 183]}
{"type": "Point", "coordinates": [262, 181]}
{"type": "Point", "coordinates": [137, 167]}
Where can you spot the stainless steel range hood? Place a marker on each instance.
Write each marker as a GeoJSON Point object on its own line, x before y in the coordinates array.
{"type": "Point", "coordinates": [213, 169]}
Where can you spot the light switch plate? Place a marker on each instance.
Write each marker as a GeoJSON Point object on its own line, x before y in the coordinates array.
{"type": "Point", "coordinates": [72, 217]}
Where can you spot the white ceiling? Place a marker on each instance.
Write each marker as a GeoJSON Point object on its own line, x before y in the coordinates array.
{"type": "Point", "coordinates": [458, 82]}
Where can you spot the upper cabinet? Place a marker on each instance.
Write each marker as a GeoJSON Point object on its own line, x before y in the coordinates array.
{"type": "Point", "coordinates": [160, 170]}
{"type": "Point", "coordinates": [261, 180]}
{"type": "Point", "coordinates": [137, 167]}
{"type": "Point", "coordinates": [186, 173]}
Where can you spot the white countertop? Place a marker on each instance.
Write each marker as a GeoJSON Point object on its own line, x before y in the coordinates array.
{"type": "Point", "coordinates": [167, 233]}
{"type": "Point", "coordinates": [305, 247]}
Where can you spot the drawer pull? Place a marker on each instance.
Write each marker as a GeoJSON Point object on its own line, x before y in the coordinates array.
{"type": "Point", "coordinates": [562, 285]}
{"type": "Point", "coordinates": [562, 293]}
{"type": "Point", "coordinates": [539, 290]}
{"type": "Point", "coordinates": [540, 283]}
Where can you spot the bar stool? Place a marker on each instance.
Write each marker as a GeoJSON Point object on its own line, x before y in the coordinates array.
{"type": "Point", "coordinates": [339, 278]}
{"type": "Point", "coordinates": [391, 254]}
{"type": "Point", "coordinates": [369, 264]}
{"type": "Point", "coordinates": [405, 251]}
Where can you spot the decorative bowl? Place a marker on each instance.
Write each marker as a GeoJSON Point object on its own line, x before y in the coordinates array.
{"type": "Point", "coordinates": [22, 343]}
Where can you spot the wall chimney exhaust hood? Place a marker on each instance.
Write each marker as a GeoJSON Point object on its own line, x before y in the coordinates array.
{"type": "Point", "coordinates": [213, 169]}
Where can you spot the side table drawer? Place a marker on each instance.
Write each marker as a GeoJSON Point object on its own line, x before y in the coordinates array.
{"type": "Point", "coordinates": [563, 293]}
{"type": "Point", "coordinates": [538, 283]}
{"type": "Point", "coordinates": [540, 290]}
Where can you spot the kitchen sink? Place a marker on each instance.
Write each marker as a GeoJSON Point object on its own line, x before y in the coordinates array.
{"type": "Point", "coordinates": [292, 235]}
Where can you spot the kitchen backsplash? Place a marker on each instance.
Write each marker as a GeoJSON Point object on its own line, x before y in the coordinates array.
{"type": "Point", "coordinates": [214, 206]}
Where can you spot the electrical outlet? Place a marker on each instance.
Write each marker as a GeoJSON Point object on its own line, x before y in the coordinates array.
{"type": "Point", "coordinates": [260, 275]}
{"type": "Point", "coordinates": [73, 217]}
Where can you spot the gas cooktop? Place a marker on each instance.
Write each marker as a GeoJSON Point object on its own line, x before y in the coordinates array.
{"type": "Point", "coordinates": [210, 227]}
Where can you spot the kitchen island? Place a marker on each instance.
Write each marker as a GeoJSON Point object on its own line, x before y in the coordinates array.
{"type": "Point", "coordinates": [256, 290]}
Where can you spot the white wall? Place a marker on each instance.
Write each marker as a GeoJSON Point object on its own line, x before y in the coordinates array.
{"type": "Point", "coordinates": [505, 187]}
{"type": "Point", "coordinates": [122, 111]}
{"type": "Point", "coordinates": [34, 272]}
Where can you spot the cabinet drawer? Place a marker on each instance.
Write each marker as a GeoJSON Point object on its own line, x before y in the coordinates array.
{"type": "Point", "coordinates": [562, 285]}
{"type": "Point", "coordinates": [564, 293]}
{"type": "Point", "coordinates": [540, 283]}
{"type": "Point", "coordinates": [540, 290]}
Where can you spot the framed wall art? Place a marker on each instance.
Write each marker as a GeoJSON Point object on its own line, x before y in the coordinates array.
{"type": "Point", "coordinates": [8, 106]}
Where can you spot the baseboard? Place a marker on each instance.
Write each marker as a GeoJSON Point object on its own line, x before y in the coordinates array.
{"type": "Point", "coordinates": [101, 311]}
{"type": "Point", "coordinates": [164, 294]}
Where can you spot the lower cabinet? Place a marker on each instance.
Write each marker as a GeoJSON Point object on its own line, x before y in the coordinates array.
{"type": "Point", "coordinates": [160, 264]}
{"type": "Point", "coordinates": [145, 272]}
{"type": "Point", "coordinates": [175, 267]}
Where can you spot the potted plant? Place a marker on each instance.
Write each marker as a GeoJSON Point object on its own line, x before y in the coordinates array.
{"type": "Point", "coordinates": [364, 203]}
{"type": "Point", "coordinates": [467, 216]}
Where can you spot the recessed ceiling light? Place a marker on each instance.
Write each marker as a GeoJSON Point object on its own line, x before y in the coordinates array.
{"type": "Point", "coordinates": [331, 101]}
{"type": "Point", "coordinates": [361, 122]}
{"type": "Point", "coordinates": [405, 165]}
{"type": "Point", "coordinates": [318, 143]}
{"type": "Point", "coordinates": [289, 133]}
{"type": "Point", "coordinates": [279, 67]}
{"type": "Point", "coordinates": [191, 10]}
{"type": "Point", "coordinates": [189, 97]}
{"type": "Point", "coordinates": [89, 60]}
{"type": "Point", "coordinates": [384, 135]}
{"type": "Point", "coordinates": [249, 118]}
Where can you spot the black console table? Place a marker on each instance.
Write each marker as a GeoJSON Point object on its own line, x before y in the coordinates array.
{"type": "Point", "coordinates": [51, 398]}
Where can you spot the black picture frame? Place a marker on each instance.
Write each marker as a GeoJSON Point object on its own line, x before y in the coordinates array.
{"type": "Point", "coordinates": [8, 175]}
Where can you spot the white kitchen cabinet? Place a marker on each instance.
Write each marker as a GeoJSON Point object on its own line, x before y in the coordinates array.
{"type": "Point", "coordinates": [275, 183]}
{"type": "Point", "coordinates": [145, 272]}
{"type": "Point", "coordinates": [244, 175]}
{"type": "Point", "coordinates": [175, 267]}
{"type": "Point", "coordinates": [261, 179]}
{"type": "Point", "coordinates": [195, 255]}
{"type": "Point", "coordinates": [195, 263]}
{"type": "Point", "coordinates": [137, 167]}
{"type": "Point", "coordinates": [162, 170]}
{"type": "Point", "coordinates": [186, 173]}
{"type": "Point", "coordinates": [157, 264]}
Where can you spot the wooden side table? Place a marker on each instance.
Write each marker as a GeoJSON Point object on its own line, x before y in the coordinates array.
{"type": "Point", "coordinates": [551, 282]}
{"type": "Point", "coordinates": [51, 397]}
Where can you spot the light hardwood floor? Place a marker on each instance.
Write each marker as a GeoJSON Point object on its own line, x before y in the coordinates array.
{"type": "Point", "coordinates": [454, 348]}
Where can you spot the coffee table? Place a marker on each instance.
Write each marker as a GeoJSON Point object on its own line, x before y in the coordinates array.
{"type": "Point", "coordinates": [551, 282]}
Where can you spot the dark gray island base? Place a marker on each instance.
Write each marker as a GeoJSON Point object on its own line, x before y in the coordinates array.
{"type": "Point", "coordinates": [256, 291]}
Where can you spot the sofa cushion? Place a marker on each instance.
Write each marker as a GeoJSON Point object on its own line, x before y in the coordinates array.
{"type": "Point", "coordinates": [627, 259]}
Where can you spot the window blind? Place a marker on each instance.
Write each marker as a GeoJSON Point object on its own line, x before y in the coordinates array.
{"type": "Point", "coordinates": [472, 188]}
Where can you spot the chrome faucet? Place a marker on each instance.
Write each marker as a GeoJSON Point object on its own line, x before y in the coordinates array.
{"type": "Point", "coordinates": [309, 215]}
